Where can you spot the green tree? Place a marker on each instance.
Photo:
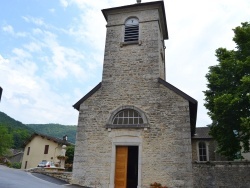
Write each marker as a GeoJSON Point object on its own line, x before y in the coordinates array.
{"type": "Point", "coordinates": [6, 141]}
{"type": "Point", "coordinates": [70, 150]}
{"type": "Point", "coordinates": [228, 95]}
{"type": "Point", "coordinates": [20, 137]}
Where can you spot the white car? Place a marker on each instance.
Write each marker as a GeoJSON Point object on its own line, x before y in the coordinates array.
{"type": "Point", "coordinates": [47, 164]}
{"type": "Point", "coordinates": [42, 163]}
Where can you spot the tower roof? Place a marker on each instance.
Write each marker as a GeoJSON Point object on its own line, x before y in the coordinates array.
{"type": "Point", "coordinates": [139, 6]}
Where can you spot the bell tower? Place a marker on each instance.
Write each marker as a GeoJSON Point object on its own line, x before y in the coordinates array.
{"type": "Point", "coordinates": [134, 49]}
{"type": "Point", "coordinates": [134, 128]}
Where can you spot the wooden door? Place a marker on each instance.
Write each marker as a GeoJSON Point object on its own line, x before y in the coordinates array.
{"type": "Point", "coordinates": [121, 167]}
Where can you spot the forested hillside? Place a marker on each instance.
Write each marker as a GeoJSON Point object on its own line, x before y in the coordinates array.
{"type": "Point", "coordinates": [18, 131]}
{"type": "Point", "coordinates": [55, 130]}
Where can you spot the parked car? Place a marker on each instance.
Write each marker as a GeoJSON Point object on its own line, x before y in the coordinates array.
{"type": "Point", "coordinates": [42, 163]}
{"type": "Point", "coordinates": [48, 164]}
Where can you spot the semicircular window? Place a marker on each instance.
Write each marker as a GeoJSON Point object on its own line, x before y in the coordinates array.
{"type": "Point", "coordinates": [127, 117]}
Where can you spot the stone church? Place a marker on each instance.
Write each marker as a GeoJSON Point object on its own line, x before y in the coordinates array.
{"type": "Point", "coordinates": [134, 127]}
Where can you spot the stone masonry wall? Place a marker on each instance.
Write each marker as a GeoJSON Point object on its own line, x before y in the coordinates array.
{"type": "Point", "coordinates": [130, 76]}
{"type": "Point", "coordinates": [206, 174]}
{"type": "Point", "coordinates": [132, 63]}
{"type": "Point", "coordinates": [166, 145]}
{"type": "Point", "coordinates": [221, 175]}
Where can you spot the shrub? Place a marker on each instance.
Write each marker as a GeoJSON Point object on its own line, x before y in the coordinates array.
{"type": "Point", "coordinates": [16, 165]}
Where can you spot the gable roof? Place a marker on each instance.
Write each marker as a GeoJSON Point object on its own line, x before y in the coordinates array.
{"type": "Point", "coordinates": [193, 104]}
{"type": "Point", "coordinates": [158, 4]}
{"type": "Point", "coordinates": [202, 133]}
{"type": "Point", "coordinates": [54, 139]}
{"type": "Point", "coordinates": [85, 97]}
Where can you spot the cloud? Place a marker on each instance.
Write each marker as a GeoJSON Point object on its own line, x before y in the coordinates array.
{"type": "Point", "coordinates": [30, 97]}
{"type": "Point", "coordinates": [37, 31]}
{"type": "Point", "coordinates": [21, 53]}
{"type": "Point", "coordinates": [193, 38]}
{"type": "Point", "coordinates": [52, 10]}
{"type": "Point", "coordinates": [34, 20]}
{"type": "Point", "coordinates": [64, 3]}
{"type": "Point", "coordinates": [33, 47]}
{"type": "Point", "coordinates": [34, 72]}
{"type": "Point", "coordinates": [70, 56]}
{"type": "Point", "coordinates": [89, 26]}
{"type": "Point", "coordinates": [65, 61]}
{"type": "Point", "coordinates": [8, 29]}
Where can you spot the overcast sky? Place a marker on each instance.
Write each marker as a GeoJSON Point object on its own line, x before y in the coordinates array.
{"type": "Point", "coordinates": [51, 52]}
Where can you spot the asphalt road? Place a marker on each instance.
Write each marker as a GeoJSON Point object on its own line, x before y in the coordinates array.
{"type": "Point", "coordinates": [15, 178]}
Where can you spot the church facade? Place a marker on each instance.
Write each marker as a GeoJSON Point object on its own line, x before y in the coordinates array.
{"type": "Point", "coordinates": [134, 127]}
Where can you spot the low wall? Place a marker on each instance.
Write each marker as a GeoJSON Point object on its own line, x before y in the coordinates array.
{"type": "Point", "coordinates": [221, 174]}
{"type": "Point", "coordinates": [53, 172]}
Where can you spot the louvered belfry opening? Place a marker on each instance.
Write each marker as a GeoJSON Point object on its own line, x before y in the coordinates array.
{"type": "Point", "coordinates": [131, 30]}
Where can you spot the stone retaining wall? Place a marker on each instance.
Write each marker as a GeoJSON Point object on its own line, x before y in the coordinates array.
{"type": "Point", "coordinates": [221, 174]}
{"type": "Point", "coordinates": [56, 173]}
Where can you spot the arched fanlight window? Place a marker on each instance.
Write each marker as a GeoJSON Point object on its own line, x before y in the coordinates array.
{"type": "Point", "coordinates": [131, 30]}
{"type": "Point", "coordinates": [202, 151]}
{"type": "Point", "coordinates": [127, 117]}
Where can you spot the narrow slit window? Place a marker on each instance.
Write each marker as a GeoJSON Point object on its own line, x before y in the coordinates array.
{"type": "Point", "coordinates": [131, 30]}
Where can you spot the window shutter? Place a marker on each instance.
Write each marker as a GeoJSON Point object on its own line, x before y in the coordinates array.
{"type": "Point", "coordinates": [28, 152]}
{"type": "Point", "coordinates": [46, 149]}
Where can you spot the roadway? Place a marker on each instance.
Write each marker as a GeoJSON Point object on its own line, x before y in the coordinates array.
{"type": "Point", "coordinates": [16, 178]}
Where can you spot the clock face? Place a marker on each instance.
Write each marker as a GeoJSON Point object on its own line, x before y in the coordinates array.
{"type": "Point", "coordinates": [132, 21]}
